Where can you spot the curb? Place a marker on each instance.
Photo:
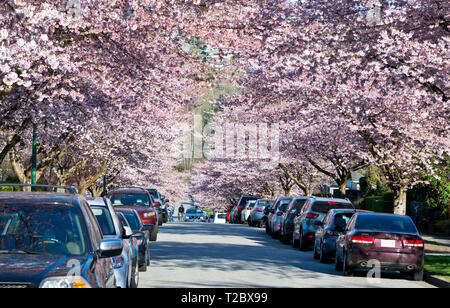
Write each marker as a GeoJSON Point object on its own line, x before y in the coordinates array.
{"type": "Point", "coordinates": [437, 282]}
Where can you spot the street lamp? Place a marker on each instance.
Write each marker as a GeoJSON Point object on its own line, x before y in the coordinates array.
{"type": "Point", "coordinates": [34, 156]}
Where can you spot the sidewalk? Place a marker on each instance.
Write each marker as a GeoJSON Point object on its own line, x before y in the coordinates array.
{"type": "Point", "coordinates": [440, 240]}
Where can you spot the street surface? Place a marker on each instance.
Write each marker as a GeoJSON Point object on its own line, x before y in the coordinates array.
{"type": "Point", "coordinates": [201, 255]}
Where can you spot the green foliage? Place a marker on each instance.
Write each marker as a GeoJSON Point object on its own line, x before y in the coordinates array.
{"type": "Point", "coordinates": [438, 265]}
{"type": "Point", "coordinates": [380, 204]}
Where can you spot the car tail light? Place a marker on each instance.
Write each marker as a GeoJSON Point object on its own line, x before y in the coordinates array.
{"type": "Point", "coordinates": [412, 243]}
{"type": "Point", "coordinates": [156, 203]}
{"type": "Point", "coordinates": [312, 215]}
{"type": "Point", "coordinates": [362, 239]}
{"type": "Point", "coordinates": [258, 210]}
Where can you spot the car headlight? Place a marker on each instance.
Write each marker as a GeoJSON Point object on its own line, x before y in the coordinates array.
{"type": "Point", "coordinates": [75, 282]}
{"type": "Point", "coordinates": [148, 215]}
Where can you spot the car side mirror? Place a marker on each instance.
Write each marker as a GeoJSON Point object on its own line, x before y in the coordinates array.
{"type": "Point", "coordinates": [127, 232]}
{"type": "Point", "coordinates": [138, 234]}
{"type": "Point", "coordinates": [110, 248]}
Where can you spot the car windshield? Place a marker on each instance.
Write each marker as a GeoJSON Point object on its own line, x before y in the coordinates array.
{"type": "Point", "coordinates": [385, 223]}
{"type": "Point", "coordinates": [221, 216]}
{"type": "Point", "coordinates": [42, 229]}
{"type": "Point", "coordinates": [325, 206]}
{"type": "Point", "coordinates": [104, 219]}
{"type": "Point", "coordinates": [154, 193]}
{"type": "Point", "coordinates": [344, 216]}
{"type": "Point", "coordinates": [132, 220]}
{"type": "Point", "coordinates": [130, 199]}
{"type": "Point", "coordinates": [194, 211]}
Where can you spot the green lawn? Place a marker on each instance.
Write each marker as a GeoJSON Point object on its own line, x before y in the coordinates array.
{"type": "Point", "coordinates": [438, 266]}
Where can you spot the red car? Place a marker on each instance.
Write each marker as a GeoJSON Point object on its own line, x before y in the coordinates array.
{"type": "Point", "coordinates": [390, 240]}
{"type": "Point", "coordinates": [140, 200]}
{"type": "Point", "coordinates": [230, 208]}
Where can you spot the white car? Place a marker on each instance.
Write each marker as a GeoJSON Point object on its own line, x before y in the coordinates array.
{"type": "Point", "coordinates": [220, 218]}
{"type": "Point", "coordinates": [246, 211]}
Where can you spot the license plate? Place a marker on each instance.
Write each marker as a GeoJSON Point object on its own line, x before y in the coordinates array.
{"type": "Point", "coordinates": [388, 243]}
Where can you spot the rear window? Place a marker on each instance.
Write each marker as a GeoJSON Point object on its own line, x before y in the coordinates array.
{"type": "Point", "coordinates": [221, 216]}
{"type": "Point", "coordinates": [104, 220]}
{"type": "Point", "coordinates": [244, 200]}
{"type": "Point", "coordinates": [265, 203]}
{"type": "Point", "coordinates": [385, 223]}
{"type": "Point", "coordinates": [325, 206]}
{"type": "Point", "coordinates": [130, 199]}
{"type": "Point", "coordinates": [132, 220]}
{"type": "Point", "coordinates": [298, 204]}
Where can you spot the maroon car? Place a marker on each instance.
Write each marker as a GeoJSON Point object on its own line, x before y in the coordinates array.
{"type": "Point", "coordinates": [140, 200]}
{"type": "Point", "coordinates": [391, 240]}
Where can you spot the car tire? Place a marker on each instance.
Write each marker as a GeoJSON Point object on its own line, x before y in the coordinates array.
{"type": "Point", "coordinates": [337, 263]}
{"type": "Point", "coordinates": [154, 235]}
{"type": "Point", "coordinates": [348, 271]}
{"type": "Point", "coordinates": [135, 279]}
{"type": "Point", "coordinates": [295, 242]}
{"type": "Point", "coordinates": [301, 242]}
{"type": "Point", "coordinates": [315, 254]}
{"type": "Point", "coordinates": [418, 275]}
{"type": "Point", "coordinates": [322, 257]}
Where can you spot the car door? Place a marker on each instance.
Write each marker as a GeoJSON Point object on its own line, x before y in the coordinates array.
{"type": "Point", "coordinates": [102, 268]}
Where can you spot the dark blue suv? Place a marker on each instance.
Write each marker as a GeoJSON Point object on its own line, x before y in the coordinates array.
{"type": "Point", "coordinates": [52, 240]}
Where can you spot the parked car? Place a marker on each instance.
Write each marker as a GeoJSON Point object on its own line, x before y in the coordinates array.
{"type": "Point", "coordinates": [287, 219]}
{"type": "Point", "coordinates": [274, 216]}
{"type": "Point", "coordinates": [52, 240]}
{"type": "Point", "coordinates": [159, 205]}
{"type": "Point", "coordinates": [194, 215]}
{"type": "Point", "coordinates": [257, 215]}
{"type": "Point", "coordinates": [229, 210]}
{"type": "Point", "coordinates": [313, 213]}
{"type": "Point", "coordinates": [392, 240]}
{"type": "Point", "coordinates": [332, 226]}
{"type": "Point", "coordinates": [129, 217]}
{"type": "Point", "coordinates": [236, 213]}
{"type": "Point", "coordinates": [138, 199]}
{"type": "Point", "coordinates": [126, 265]}
{"type": "Point", "coordinates": [220, 218]}
{"type": "Point", "coordinates": [245, 214]}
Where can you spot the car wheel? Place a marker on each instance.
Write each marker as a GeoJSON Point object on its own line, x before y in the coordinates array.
{"type": "Point", "coordinates": [135, 279]}
{"type": "Point", "coordinates": [418, 275]}
{"type": "Point", "coordinates": [337, 263]}
{"type": "Point", "coordinates": [301, 244]}
{"type": "Point", "coordinates": [348, 271]}
{"type": "Point", "coordinates": [322, 258]}
{"type": "Point", "coordinates": [154, 235]}
{"type": "Point", "coordinates": [315, 253]}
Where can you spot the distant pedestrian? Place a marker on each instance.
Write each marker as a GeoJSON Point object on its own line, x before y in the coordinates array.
{"type": "Point", "coordinates": [181, 213]}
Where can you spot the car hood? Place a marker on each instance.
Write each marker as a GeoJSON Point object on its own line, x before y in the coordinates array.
{"type": "Point", "coordinates": [32, 269]}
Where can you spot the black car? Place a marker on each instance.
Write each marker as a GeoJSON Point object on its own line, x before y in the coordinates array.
{"type": "Point", "coordinates": [236, 213]}
{"type": "Point", "coordinates": [53, 240]}
{"type": "Point", "coordinates": [131, 218]}
{"type": "Point", "coordinates": [329, 229]}
{"type": "Point", "coordinates": [313, 212]}
{"type": "Point", "coordinates": [287, 220]}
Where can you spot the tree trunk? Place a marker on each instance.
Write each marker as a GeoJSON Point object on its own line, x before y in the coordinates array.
{"type": "Point", "coordinates": [400, 201]}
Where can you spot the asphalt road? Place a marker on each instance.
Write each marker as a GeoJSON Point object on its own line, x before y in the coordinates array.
{"type": "Point", "coordinates": [201, 255]}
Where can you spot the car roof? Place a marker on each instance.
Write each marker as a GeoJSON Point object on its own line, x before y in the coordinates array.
{"type": "Point", "coordinates": [349, 211]}
{"type": "Point", "coordinates": [54, 197]}
{"type": "Point", "coordinates": [96, 201]}
{"type": "Point", "coordinates": [381, 214]}
{"type": "Point", "coordinates": [315, 199]}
